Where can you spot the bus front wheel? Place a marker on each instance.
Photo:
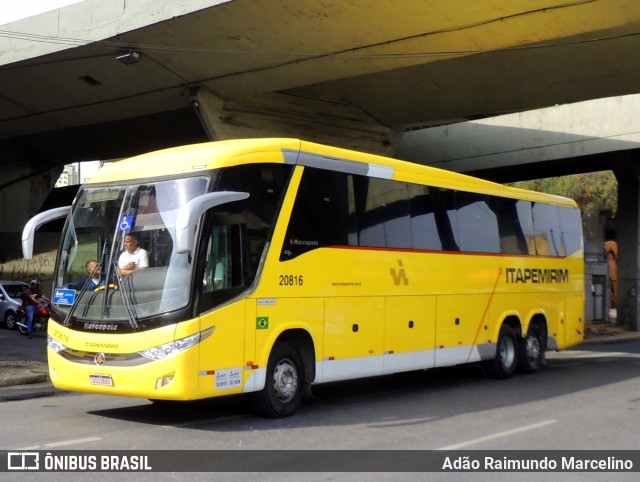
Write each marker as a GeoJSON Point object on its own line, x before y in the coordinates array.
{"type": "Point", "coordinates": [283, 390]}
{"type": "Point", "coordinates": [506, 360]}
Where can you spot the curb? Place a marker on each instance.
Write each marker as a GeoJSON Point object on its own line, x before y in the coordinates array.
{"type": "Point", "coordinates": [610, 340]}
{"type": "Point", "coordinates": [18, 372]}
{"type": "Point", "coordinates": [25, 379]}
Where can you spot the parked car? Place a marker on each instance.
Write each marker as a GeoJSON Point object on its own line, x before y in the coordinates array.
{"type": "Point", "coordinates": [10, 298]}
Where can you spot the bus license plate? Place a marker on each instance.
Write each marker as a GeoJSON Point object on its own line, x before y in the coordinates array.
{"type": "Point", "coordinates": [103, 380]}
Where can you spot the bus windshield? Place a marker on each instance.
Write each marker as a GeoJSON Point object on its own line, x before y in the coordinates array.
{"type": "Point", "coordinates": [128, 232]}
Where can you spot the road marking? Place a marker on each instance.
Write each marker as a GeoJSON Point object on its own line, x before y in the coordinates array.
{"type": "Point", "coordinates": [498, 435]}
{"type": "Point", "coordinates": [414, 421]}
{"type": "Point", "coordinates": [64, 442]}
{"type": "Point", "coordinates": [73, 442]}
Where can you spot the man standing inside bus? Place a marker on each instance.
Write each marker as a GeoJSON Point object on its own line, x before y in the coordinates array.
{"type": "Point", "coordinates": [133, 257]}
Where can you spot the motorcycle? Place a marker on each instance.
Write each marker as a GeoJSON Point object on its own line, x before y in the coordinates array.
{"type": "Point", "coordinates": [40, 318]}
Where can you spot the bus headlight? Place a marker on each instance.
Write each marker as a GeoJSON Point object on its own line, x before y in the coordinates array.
{"type": "Point", "coordinates": [55, 345]}
{"type": "Point", "coordinates": [172, 348]}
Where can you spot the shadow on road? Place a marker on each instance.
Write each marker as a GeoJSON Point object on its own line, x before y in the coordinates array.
{"type": "Point", "coordinates": [335, 404]}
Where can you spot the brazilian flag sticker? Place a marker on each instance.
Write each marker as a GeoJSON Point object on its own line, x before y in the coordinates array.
{"type": "Point", "coordinates": [262, 322]}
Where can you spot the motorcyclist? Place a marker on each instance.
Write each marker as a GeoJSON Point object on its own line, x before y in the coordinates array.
{"type": "Point", "coordinates": [33, 297]}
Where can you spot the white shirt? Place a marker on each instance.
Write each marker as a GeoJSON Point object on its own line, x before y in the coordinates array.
{"type": "Point", "coordinates": [94, 283]}
{"type": "Point", "coordinates": [140, 257]}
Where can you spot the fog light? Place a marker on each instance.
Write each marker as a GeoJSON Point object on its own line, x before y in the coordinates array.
{"type": "Point", "coordinates": [164, 381]}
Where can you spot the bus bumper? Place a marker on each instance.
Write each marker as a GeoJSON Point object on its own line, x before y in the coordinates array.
{"type": "Point", "coordinates": [174, 378]}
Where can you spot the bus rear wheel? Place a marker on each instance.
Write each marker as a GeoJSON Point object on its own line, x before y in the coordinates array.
{"type": "Point", "coordinates": [506, 360]}
{"type": "Point", "coordinates": [532, 351]}
{"type": "Point", "coordinates": [283, 390]}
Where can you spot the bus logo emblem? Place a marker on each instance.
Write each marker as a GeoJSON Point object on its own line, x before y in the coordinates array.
{"type": "Point", "coordinates": [399, 275]}
{"type": "Point", "coordinates": [262, 323]}
{"type": "Point", "coordinates": [99, 359]}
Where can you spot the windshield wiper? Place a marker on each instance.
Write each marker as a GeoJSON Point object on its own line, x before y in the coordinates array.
{"type": "Point", "coordinates": [133, 319]}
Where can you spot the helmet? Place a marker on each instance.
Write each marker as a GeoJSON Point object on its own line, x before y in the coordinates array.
{"type": "Point", "coordinates": [35, 283]}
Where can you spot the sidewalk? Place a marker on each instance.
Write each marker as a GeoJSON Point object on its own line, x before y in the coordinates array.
{"type": "Point", "coordinates": [23, 366]}
{"type": "Point", "coordinates": [24, 372]}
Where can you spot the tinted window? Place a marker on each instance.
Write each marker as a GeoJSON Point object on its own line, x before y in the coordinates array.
{"type": "Point", "coordinates": [383, 213]}
{"type": "Point", "coordinates": [334, 209]}
{"type": "Point", "coordinates": [525, 220]}
{"type": "Point", "coordinates": [570, 223]}
{"type": "Point", "coordinates": [477, 224]}
{"type": "Point", "coordinates": [512, 237]}
{"type": "Point", "coordinates": [447, 207]}
{"type": "Point", "coordinates": [321, 215]}
{"type": "Point", "coordinates": [424, 226]}
{"type": "Point", "coordinates": [547, 230]}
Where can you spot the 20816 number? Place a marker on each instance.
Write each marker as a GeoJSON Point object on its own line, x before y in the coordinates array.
{"type": "Point", "coordinates": [290, 280]}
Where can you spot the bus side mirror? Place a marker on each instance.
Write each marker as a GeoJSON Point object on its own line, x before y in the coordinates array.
{"type": "Point", "coordinates": [189, 214]}
{"type": "Point", "coordinates": [28, 233]}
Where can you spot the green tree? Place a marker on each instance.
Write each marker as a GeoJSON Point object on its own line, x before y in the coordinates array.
{"type": "Point", "coordinates": [594, 191]}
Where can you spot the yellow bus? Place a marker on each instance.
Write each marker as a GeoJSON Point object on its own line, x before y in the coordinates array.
{"type": "Point", "coordinates": [275, 264]}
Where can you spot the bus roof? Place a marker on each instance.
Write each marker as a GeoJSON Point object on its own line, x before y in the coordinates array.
{"type": "Point", "coordinates": [190, 159]}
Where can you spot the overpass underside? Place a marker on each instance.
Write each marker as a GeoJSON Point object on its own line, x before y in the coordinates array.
{"type": "Point", "coordinates": [353, 74]}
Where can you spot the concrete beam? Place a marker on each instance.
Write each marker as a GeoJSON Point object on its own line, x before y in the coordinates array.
{"type": "Point", "coordinates": [281, 115]}
{"type": "Point", "coordinates": [562, 132]}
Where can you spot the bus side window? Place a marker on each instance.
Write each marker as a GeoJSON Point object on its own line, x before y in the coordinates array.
{"type": "Point", "coordinates": [547, 230]}
{"type": "Point", "coordinates": [424, 227]}
{"type": "Point", "coordinates": [525, 221]}
{"type": "Point", "coordinates": [382, 207]}
{"type": "Point", "coordinates": [321, 213]}
{"type": "Point", "coordinates": [477, 224]}
{"type": "Point", "coordinates": [570, 222]}
{"type": "Point", "coordinates": [512, 237]}
{"type": "Point", "coordinates": [217, 262]}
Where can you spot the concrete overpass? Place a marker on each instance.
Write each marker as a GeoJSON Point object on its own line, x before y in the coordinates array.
{"type": "Point", "coordinates": [104, 79]}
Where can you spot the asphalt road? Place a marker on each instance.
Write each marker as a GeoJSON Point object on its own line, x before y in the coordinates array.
{"type": "Point", "coordinates": [587, 398]}
{"type": "Point", "coordinates": [14, 346]}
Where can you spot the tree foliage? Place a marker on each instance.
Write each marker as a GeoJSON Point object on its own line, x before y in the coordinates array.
{"type": "Point", "coordinates": [594, 191]}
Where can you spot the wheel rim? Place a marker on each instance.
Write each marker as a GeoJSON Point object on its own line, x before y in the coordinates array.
{"type": "Point", "coordinates": [10, 321]}
{"type": "Point", "coordinates": [507, 352]}
{"type": "Point", "coordinates": [285, 381]}
{"type": "Point", "coordinates": [533, 349]}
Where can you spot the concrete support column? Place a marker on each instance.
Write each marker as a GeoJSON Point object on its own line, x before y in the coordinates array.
{"type": "Point", "coordinates": [24, 185]}
{"type": "Point", "coordinates": [628, 237]}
